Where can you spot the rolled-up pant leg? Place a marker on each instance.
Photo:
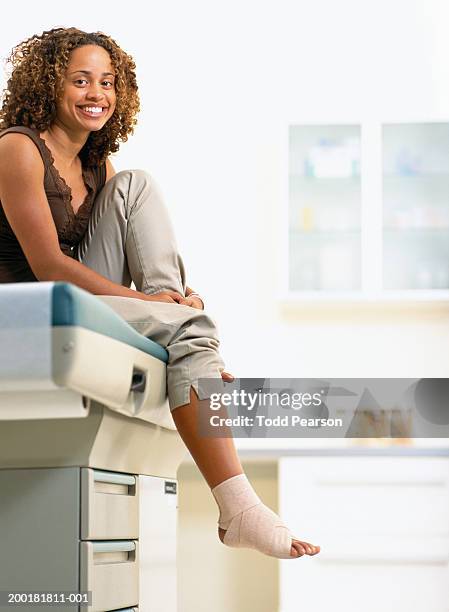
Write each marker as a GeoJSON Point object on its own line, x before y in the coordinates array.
{"type": "Point", "coordinates": [130, 238]}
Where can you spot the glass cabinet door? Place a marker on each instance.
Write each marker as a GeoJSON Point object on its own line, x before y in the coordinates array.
{"type": "Point", "coordinates": [324, 208]}
{"type": "Point", "coordinates": [416, 206]}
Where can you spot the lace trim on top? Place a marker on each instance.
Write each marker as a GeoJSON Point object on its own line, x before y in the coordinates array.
{"type": "Point", "coordinates": [76, 223]}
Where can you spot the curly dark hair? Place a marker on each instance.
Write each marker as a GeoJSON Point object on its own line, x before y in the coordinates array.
{"type": "Point", "coordinates": [39, 65]}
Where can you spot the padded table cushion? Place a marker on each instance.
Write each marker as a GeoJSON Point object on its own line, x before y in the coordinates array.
{"type": "Point", "coordinates": [72, 306]}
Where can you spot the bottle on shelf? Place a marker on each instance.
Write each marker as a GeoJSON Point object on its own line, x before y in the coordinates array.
{"type": "Point", "coordinates": [306, 221]}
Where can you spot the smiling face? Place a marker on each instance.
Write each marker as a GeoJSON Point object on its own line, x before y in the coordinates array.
{"type": "Point", "coordinates": [88, 97]}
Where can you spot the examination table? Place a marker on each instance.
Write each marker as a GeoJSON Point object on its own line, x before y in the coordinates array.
{"type": "Point", "coordinates": [88, 455]}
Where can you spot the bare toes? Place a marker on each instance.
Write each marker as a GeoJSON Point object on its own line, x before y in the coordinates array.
{"type": "Point", "coordinates": [310, 549]}
{"type": "Point", "coordinates": [296, 545]}
{"type": "Point", "coordinates": [304, 546]}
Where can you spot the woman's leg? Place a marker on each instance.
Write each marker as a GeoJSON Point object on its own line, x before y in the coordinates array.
{"type": "Point", "coordinates": [216, 458]}
{"type": "Point", "coordinates": [129, 238]}
{"type": "Point", "coordinates": [219, 463]}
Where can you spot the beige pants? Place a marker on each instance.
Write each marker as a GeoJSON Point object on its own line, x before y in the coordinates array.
{"type": "Point", "coordinates": [130, 238]}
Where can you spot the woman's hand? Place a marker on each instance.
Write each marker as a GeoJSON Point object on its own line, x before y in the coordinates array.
{"type": "Point", "coordinates": [193, 302]}
{"type": "Point", "coordinates": [192, 299]}
{"type": "Point", "coordinates": [172, 297]}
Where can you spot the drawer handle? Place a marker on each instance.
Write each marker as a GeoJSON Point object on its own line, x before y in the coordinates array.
{"type": "Point", "coordinates": [114, 478]}
{"type": "Point", "coordinates": [118, 546]}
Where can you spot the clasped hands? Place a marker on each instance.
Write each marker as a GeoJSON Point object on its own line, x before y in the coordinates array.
{"type": "Point", "coordinates": [175, 297]}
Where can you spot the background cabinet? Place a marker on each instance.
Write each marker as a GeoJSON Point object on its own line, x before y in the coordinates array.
{"type": "Point", "coordinates": [369, 210]}
{"type": "Point", "coordinates": [382, 523]}
{"type": "Point", "coordinates": [416, 206]}
{"type": "Point", "coordinates": [324, 208]}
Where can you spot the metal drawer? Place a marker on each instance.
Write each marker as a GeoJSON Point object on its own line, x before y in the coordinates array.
{"type": "Point", "coordinates": [109, 505]}
{"type": "Point", "coordinates": [110, 570]}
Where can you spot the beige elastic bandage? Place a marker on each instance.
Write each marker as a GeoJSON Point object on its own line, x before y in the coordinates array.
{"type": "Point", "coordinates": [248, 522]}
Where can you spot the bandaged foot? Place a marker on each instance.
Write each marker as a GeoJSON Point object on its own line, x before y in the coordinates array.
{"type": "Point", "coordinates": [248, 523]}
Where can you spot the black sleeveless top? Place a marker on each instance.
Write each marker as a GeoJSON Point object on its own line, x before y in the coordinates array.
{"type": "Point", "coordinates": [71, 227]}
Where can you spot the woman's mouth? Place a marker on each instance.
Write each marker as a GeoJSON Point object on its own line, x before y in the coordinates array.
{"type": "Point", "coordinates": [93, 111]}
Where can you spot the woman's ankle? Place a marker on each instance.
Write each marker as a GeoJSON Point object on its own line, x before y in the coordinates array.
{"type": "Point", "coordinates": [220, 479]}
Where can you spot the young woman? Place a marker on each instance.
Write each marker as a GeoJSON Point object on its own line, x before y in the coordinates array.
{"type": "Point", "coordinates": [65, 215]}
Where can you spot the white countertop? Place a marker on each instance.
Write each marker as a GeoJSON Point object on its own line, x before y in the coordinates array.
{"type": "Point", "coordinates": [274, 448]}
{"type": "Point", "coordinates": [279, 447]}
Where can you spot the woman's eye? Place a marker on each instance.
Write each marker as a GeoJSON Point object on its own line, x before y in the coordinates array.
{"type": "Point", "coordinates": [106, 83]}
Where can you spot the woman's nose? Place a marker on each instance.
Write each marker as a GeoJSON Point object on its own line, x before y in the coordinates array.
{"type": "Point", "coordinates": [94, 93]}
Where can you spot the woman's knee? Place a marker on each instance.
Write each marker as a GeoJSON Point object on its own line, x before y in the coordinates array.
{"type": "Point", "coordinates": [206, 328]}
{"type": "Point", "coordinates": [131, 176]}
{"type": "Point", "coordinates": [128, 189]}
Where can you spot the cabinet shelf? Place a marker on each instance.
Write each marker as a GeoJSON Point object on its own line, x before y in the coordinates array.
{"type": "Point", "coordinates": [313, 234]}
{"type": "Point", "coordinates": [434, 231]}
{"type": "Point", "coordinates": [425, 176]}
{"type": "Point", "coordinates": [348, 303]}
{"type": "Point", "coordinates": [321, 180]}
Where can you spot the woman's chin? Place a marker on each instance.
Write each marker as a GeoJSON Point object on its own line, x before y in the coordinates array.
{"type": "Point", "coordinates": [91, 126]}
{"type": "Point", "coordinates": [97, 128]}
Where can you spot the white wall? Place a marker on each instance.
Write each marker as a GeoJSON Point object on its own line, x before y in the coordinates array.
{"type": "Point", "coordinates": [220, 81]}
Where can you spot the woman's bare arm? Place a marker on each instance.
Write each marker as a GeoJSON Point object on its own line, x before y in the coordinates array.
{"type": "Point", "coordinates": [26, 207]}
{"type": "Point", "coordinates": [109, 170]}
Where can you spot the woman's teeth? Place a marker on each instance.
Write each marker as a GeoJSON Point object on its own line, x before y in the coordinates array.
{"type": "Point", "coordinates": [95, 110]}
